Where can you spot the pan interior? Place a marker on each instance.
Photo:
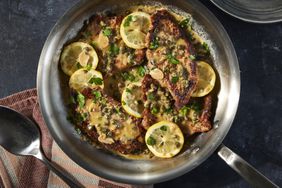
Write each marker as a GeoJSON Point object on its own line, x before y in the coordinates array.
{"type": "Point", "coordinates": [53, 94]}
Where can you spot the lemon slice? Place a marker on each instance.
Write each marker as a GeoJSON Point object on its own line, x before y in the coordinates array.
{"type": "Point", "coordinates": [83, 78]}
{"type": "Point", "coordinates": [206, 79]}
{"type": "Point", "coordinates": [78, 55]}
{"type": "Point", "coordinates": [164, 139]}
{"type": "Point", "coordinates": [134, 29]}
{"type": "Point", "coordinates": [131, 100]}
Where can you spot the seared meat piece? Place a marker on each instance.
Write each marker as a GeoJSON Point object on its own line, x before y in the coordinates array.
{"type": "Point", "coordinates": [201, 123]}
{"type": "Point", "coordinates": [170, 52]}
{"type": "Point", "coordinates": [192, 118]}
{"type": "Point", "coordinates": [104, 121]}
{"type": "Point", "coordinates": [102, 32]}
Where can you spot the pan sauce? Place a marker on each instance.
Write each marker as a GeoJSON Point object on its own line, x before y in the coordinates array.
{"type": "Point", "coordinates": [95, 122]}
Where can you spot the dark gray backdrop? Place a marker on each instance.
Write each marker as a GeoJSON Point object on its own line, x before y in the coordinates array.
{"type": "Point", "coordinates": [256, 132]}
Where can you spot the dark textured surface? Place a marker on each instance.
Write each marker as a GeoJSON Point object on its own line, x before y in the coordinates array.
{"type": "Point", "coordinates": [257, 130]}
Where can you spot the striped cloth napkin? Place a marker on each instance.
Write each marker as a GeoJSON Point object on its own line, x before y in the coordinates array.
{"type": "Point", "coordinates": [29, 172]}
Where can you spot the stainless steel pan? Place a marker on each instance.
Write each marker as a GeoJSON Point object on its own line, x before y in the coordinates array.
{"type": "Point", "coordinates": [52, 91]}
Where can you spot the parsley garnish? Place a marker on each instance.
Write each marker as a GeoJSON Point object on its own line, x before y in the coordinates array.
{"type": "Point", "coordinates": [154, 44]}
{"type": "Point", "coordinates": [168, 110]}
{"type": "Point", "coordinates": [196, 106]}
{"type": "Point", "coordinates": [205, 46]}
{"type": "Point", "coordinates": [151, 141]}
{"type": "Point", "coordinates": [184, 110]}
{"type": "Point", "coordinates": [184, 23]}
{"type": "Point", "coordinates": [97, 95]}
{"type": "Point", "coordinates": [163, 128]}
{"type": "Point", "coordinates": [151, 96]}
{"type": "Point", "coordinates": [141, 71]}
{"type": "Point", "coordinates": [80, 100]}
{"type": "Point", "coordinates": [78, 66]}
{"type": "Point", "coordinates": [172, 59]}
{"type": "Point", "coordinates": [192, 57]}
{"type": "Point", "coordinates": [107, 31]}
{"type": "Point", "coordinates": [88, 67]}
{"type": "Point", "coordinates": [96, 81]}
{"type": "Point", "coordinates": [93, 44]}
{"type": "Point", "coordinates": [114, 49]}
{"type": "Point", "coordinates": [174, 79]}
{"type": "Point", "coordinates": [72, 100]}
{"type": "Point", "coordinates": [128, 76]}
{"type": "Point", "coordinates": [154, 110]}
{"type": "Point", "coordinates": [127, 21]}
{"type": "Point", "coordinates": [128, 90]}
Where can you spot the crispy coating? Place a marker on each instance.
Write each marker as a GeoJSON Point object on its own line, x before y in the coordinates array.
{"type": "Point", "coordinates": [171, 52]}
{"type": "Point", "coordinates": [115, 118]}
{"type": "Point", "coordinates": [191, 118]}
{"type": "Point", "coordinates": [103, 33]}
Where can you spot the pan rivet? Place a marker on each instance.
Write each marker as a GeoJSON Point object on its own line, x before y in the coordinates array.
{"type": "Point", "coordinates": [216, 124]}
{"type": "Point", "coordinates": [195, 150]}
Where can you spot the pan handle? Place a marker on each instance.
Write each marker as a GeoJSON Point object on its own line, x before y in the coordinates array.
{"type": "Point", "coordinates": [244, 169]}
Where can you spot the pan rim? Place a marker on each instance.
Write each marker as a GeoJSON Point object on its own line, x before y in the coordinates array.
{"type": "Point", "coordinates": [44, 106]}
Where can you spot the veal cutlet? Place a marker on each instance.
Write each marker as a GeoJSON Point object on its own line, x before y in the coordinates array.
{"type": "Point", "coordinates": [192, 118]}
{"type": "Point", "coordinates": [103, 32]}
{"type": "Point", "coordinates": [113, 129]}
{"type": "Point", "coordinates": [171, 52]}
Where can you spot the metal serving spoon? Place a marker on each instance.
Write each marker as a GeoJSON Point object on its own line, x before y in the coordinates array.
{"type": "Point", "coordinates": [20, 136]}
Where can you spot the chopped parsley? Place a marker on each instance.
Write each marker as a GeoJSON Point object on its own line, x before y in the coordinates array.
{"type": "Point", "coordinates": [97, 95]}
{"type": "Point", "coordinates": [107, 31]}
{"type": "Point", "coordinates": [184, 110]}
{"type": "Point", "coordinates": [114, 50]}
{"type": "Point", "coordinates": [196, 106]}
{"type": "Point", "coordinates": [96, 81]}
{"type": "Point", "coordinates": [163, 128]}
{"type": "Point", "coordinates": [193, 106]}
{"type": "Point", "coordinates": [127, 21]}
{"type": "Point", "coordinates": [151, 141]}
{"type": "Point", "coordinates": [80, 99]}
{"type": "Point", "coordinates": [93, 44]}
{"type": "Point", "coordinates": [205, 46]}
{"type": "Point", "coordinates": [128, 76]}
{"type": "Point", "coordinates": [168, 110]}
{"type": "Point", "coordinates": [88, 67]}
{"type": "Point", "coordinates": [174, 79]}
{"type": "Point", "coordinates": [154, 110]}
{"type": "Point", "coordinates": [151, 96]}
{"type": "Point", "coordinates": [141, 71]}
{"type": "Point", "coordinates": [172, 59]}
{"type": "Point", "coordinates": [192, 57]}
{"type": "Point", "coordinates": [78, 65]}
{"type": "Point", "coordinates": [184, 23]}
{"type": "Point", "coordinates": [154, 44]}
{"type": "Point", "coordinates": [123, 102]}
{"type": "Point", "coordinates": [128, 90]}
{"type": "Point", "coordinates": [84, 116]}
{"type": "Point", "coordinates": [72, 100]}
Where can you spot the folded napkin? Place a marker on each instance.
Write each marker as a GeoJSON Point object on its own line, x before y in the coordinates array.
{"type": "Point", "coordinates": [27, 172]}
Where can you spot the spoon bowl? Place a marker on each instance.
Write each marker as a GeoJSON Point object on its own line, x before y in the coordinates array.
{"type": "Point", "coordinates": [18, 135]}
{"type": "Point", "coordinates": [21, 136]}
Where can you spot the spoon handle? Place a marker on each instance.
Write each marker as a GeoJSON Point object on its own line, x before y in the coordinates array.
{"type": "Point", "coordinates": [59, 172]}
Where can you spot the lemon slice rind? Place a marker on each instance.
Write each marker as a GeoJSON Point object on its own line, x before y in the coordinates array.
{"type": "Point", "coordinates": [80, 79]}
{"type": "Point", "coordinates": [78, 55]}
{"type": "Point", "coordinates": [124, 100]}
{"type": "Point", "coordinates": [206, 79]}
{"type": "Point", "coordinates": [134, 33]}
{"type": "Point", "coordinates": [168, 139]}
